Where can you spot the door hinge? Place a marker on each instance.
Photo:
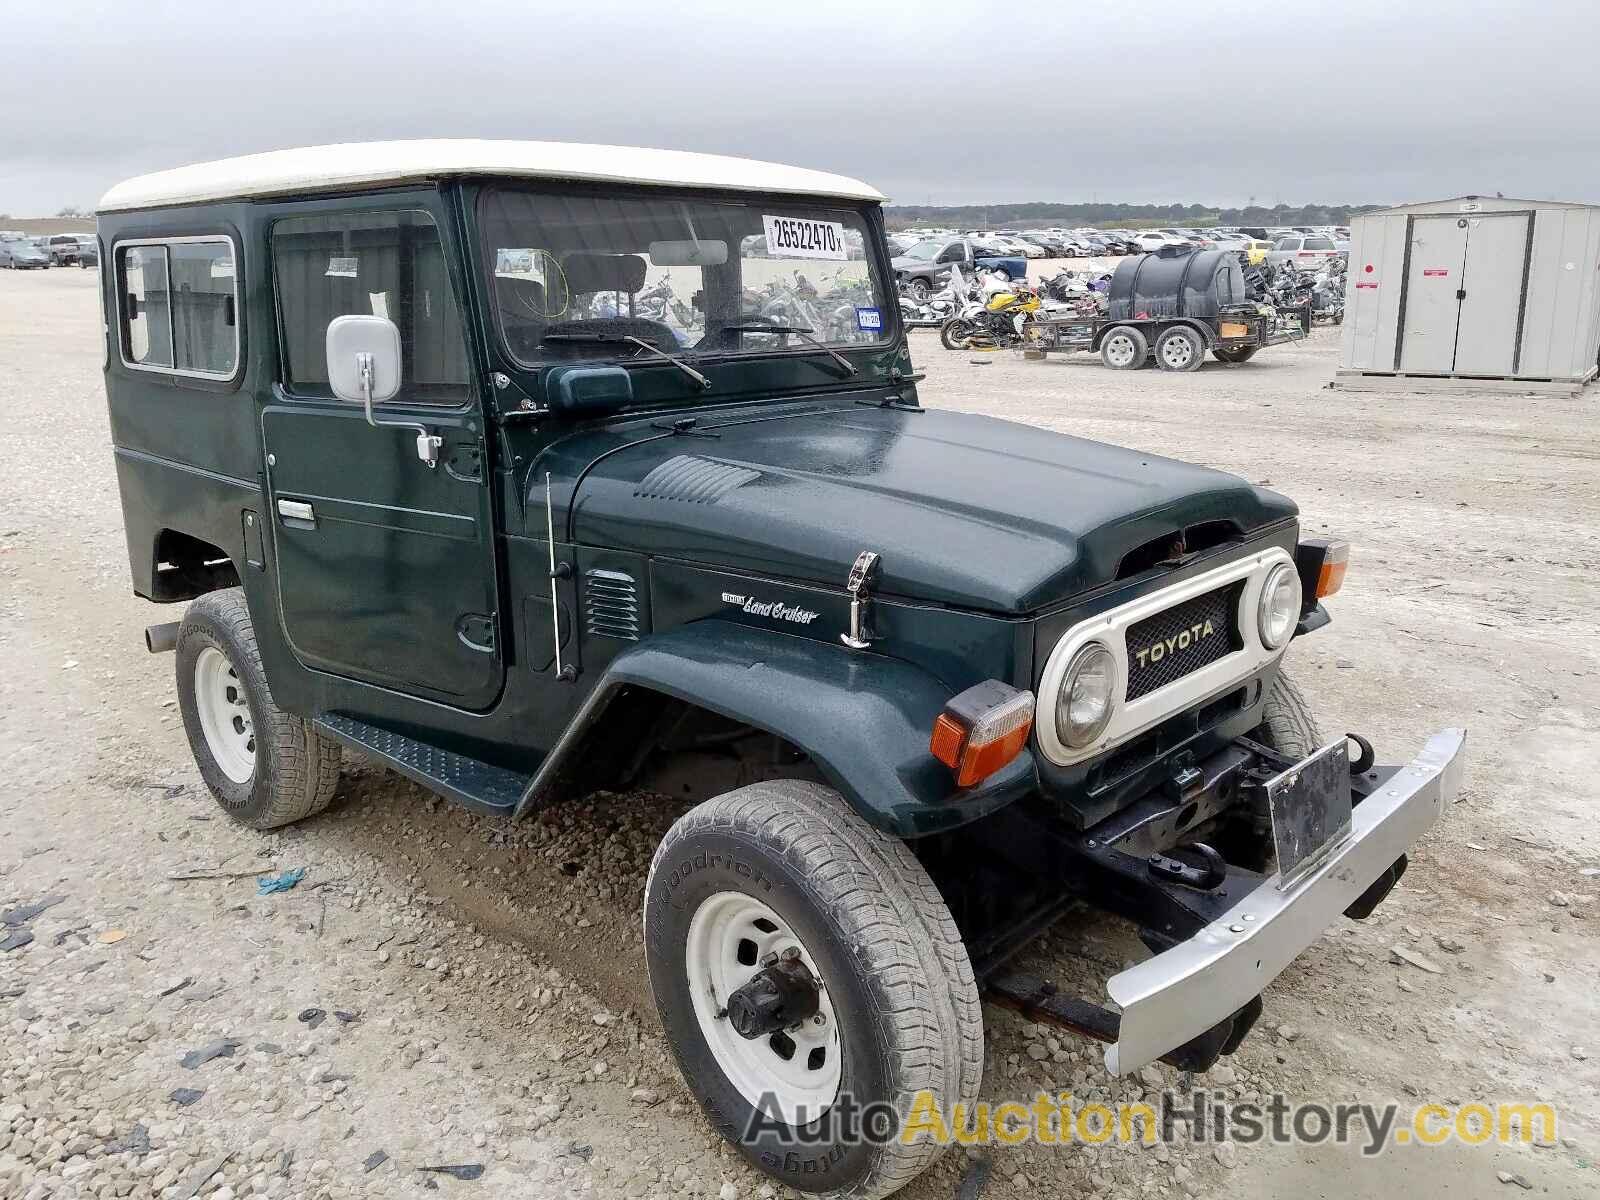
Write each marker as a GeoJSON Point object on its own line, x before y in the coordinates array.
{"type": "Point", "coordinates": [476, 631]}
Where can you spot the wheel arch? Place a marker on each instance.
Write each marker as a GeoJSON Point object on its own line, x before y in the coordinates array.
{"type": "Point", "coordinates": [183, 566]}
{"type": "Point", "coordinates": [865, 720]}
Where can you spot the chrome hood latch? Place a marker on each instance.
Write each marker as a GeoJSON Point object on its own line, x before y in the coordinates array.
{"type": "Point", "coordinates": [863, 574]}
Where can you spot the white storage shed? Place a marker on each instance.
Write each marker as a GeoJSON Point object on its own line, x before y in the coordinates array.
{"type": "Point", "coordinates": [1473, 293]}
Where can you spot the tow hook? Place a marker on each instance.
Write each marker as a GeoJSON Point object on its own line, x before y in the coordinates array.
{"type": "Point", "coordinates": [1210, 875]}
{"type": "Point", "coordinates": [784, 993]}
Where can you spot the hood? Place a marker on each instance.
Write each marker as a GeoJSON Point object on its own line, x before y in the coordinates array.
{"type": "Point", "coordinates": [965, 510]}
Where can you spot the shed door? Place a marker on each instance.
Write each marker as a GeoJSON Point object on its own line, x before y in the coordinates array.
{"type": "Point", "coordinates": [1486, 335]}
{"type": "Point", "coordinates": [1438, 254]}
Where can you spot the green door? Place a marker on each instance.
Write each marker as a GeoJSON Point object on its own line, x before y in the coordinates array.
{"type": "Point", "coordinates": [385, 565]}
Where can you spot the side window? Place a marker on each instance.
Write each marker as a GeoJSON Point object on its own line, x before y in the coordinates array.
{"type": "Point", "coordinates": [178, 307]}
{"type": "Point", "coordinates": [387, 264]}
{"type": "Point", "coordinates": [146, 324]}
{"type": "Point", "coordinates": [1288, 244]}
{"type": "Point", "coordinates": [204, 315]}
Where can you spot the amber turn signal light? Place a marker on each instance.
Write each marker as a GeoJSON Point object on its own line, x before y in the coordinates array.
{"type": "Point", "coordinates": [1330, 578]}
{"type": "Point", "coordinates": [981, 730]}
{"type": "Point", "coordinates": [1321, 563]}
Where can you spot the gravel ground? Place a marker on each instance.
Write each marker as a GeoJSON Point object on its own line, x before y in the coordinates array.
{"type": "Point", "coordinates": [443, 989]}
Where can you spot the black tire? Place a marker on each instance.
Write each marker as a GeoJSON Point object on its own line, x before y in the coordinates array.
{"type": "Point", "coordinates": [1235, 354]}
{"type": "Point", "coordinates": [1180, 348]}
{"type": "Point", "coordinates": [1287, 723]}
{"type": "Point", "coordinates": [890, 958]}
{"type": "Point", "coordinates": [953, 334]}
{"type": "Point", "coordinates": [1124, 348]}
{"type": "Point", "coordinates": [296, 769]}
{"type": "Point", "coordinates": [921, 288]}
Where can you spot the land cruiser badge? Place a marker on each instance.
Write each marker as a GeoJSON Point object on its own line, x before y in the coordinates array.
{"type": "Point", "coordinates": [776, 609]}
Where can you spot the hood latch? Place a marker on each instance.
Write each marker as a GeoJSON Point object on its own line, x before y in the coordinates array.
{"type": "Point", "coordinates": [863, 574]}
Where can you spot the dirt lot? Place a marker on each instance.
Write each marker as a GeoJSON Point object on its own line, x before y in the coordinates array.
{"type": "Point", "coordinates": [493, 975]}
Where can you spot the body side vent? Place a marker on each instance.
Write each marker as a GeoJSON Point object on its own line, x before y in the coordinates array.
{"type": "Point", "coordinates": [693, 479]}
{"type": "Point", "coordinates": [610, 605]}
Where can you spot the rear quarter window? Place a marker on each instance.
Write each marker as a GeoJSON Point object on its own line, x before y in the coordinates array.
{"type": "Point", "coordinates": [177, 306]}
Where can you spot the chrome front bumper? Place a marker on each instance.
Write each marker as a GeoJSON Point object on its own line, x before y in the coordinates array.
{"type": "Point", "coordinates": [1179, 994]}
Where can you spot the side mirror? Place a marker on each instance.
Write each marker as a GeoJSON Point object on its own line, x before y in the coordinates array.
{"type": "Point", "coordinates": [363, 359]}
{"type": "Point", "coordinates": [364, 365]}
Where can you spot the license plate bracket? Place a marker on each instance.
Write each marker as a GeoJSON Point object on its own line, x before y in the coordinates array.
{"type": "Point", "coordinates": [1311, 809]}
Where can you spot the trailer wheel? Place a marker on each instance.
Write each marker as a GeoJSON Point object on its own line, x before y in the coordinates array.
{"type": "Point", "coordinates": [264, 766]}
{"type": "Point", "coordinates": [1235, 354]}
{"type": "Point", "coordinates": [1180, 348]}
{"type": "Point", "coordinates": [1124, 349]}
{"type": "Point", "coordinates": [806, 969]}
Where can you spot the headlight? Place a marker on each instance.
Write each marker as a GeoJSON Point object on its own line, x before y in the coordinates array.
{"type": "Point", "coordinates": [1280, 606]}
{"type": "Point", "coordinates": [1083, 707]}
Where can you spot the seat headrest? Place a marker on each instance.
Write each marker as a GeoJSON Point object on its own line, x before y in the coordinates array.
{"type": "Point", "coordinates": [603, 272]}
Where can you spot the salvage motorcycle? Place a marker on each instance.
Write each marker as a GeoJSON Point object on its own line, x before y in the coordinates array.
{"type": "Point", "coordinates": [1005, 319]}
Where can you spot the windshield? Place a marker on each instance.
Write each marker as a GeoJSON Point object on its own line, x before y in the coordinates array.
{"type": "Point", "coordinates": [925, 251]}
{"type": "Point", "coordinates": [576, 274]}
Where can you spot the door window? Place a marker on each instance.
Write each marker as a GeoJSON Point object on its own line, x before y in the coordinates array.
{"type": "Point", "coordinates": [386, 264]}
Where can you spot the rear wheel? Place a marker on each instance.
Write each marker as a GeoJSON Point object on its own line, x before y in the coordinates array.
{"type": "Point", "coordinates": [806, 968]}
{"type": "Point", "coordinates": [264, 766]}
{"type": "Point", "coordinates": [1235, 354]}
{"type": "Point", "coordinates": [1180, 348]}
{"type": "Point", "coordinates": [1124, 349]}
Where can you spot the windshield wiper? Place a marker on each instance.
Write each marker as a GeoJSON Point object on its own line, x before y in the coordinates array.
{"type": "Point", "coordinates": [619, 338]}
{"type": "Point", "coordinates": [798, 331]}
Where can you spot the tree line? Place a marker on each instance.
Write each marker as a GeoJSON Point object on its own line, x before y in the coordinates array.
{"type": "Point", "coordinates": [1134, 215]}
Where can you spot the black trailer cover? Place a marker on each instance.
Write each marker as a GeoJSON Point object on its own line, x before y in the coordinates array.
{"type": "Point", "coordinates": [1175, 281]}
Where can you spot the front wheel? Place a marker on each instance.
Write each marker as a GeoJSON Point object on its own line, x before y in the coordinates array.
{"type": "Point", "coordinates": [264, 766]}
{"type": "Point", "coordinates": [812, 985]}
{"type": "Point", "coordinates": [956, 333]}
{"type": "Point", "coordinates": [920, 289]}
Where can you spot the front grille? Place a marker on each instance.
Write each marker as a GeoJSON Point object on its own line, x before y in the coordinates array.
{"type": "Point", "coordinates": [1181, 640]}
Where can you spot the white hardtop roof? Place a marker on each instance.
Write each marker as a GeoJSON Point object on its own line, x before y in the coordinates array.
{"type": "Point", "coordinates": [357, 164]}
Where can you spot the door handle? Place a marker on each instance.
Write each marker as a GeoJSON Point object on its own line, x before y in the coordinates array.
{"type": "Point", "coordinates": [297, 510]}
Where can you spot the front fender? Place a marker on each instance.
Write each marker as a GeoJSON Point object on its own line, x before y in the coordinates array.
{"type": "Point", "coordinates": [863, 718]}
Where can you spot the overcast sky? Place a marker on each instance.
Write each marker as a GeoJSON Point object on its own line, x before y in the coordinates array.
{"type": "Point", "coordinates": [949, 103]}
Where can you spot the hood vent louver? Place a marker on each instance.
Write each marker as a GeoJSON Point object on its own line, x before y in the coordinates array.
{"type": "Point", "coordinates": [693, 479]}
{"type": "Point", "coordinates": [610, 605]}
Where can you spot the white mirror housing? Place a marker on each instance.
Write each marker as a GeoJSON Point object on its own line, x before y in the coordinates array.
{"type": "Point", "coordinates": [363, 354]}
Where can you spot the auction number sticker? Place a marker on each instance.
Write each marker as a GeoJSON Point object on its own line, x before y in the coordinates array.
{"type": "Point", "coordinates": [800, 237]}
{"type": "Point", "coordinates": [870, 319]}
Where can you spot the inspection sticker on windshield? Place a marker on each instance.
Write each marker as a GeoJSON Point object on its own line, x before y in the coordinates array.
{"type": "Point", "coordinates": [870, 319]}
{"type": "Point", "coordinates": [343, 268]}
{"type": "Point", "coordinates": [798, 237]}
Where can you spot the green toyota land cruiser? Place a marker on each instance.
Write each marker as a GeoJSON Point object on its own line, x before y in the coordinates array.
{"type": "Point", "coordinates": [529, 469]}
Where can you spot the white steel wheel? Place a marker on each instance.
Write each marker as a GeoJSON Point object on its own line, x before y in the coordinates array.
{"type": "Point", "coordinates": [1180, 349]}
{"type": "Point", "coordinates": [1124, 349]}
{"type": "Point", "coordinates": [731, 936]}
{"type": "Point", "coordinates": [224, 714]}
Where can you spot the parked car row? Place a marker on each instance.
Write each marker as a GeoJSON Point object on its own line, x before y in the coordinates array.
{"type": "Point", "coordinates": [1310, 247]}
{"type": "Point", "coordinates": [21, 251]}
